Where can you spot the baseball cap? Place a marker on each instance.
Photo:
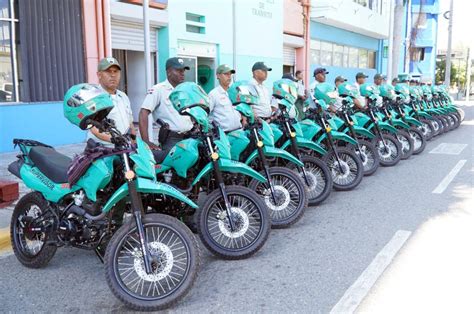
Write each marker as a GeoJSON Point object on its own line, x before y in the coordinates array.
{"type": "Point", "coordinates": [106, 63]}
{"type": "Point", "coordinates": [320, 70]}
{"type": "Point", "coordinates": [360, 75]}
{"type": "Point", "coordinates": [224, 68]}
{"type": "Point", "coordinates": [260, 66]}
{"type": "Point", "coordinates": [289, 77]}
{"type": "Point", "coordinates": [176, 63]}
{"type": "Point", "coordinates": [379, 76]}
{"type": "Point", "coordinates": [340, 79]}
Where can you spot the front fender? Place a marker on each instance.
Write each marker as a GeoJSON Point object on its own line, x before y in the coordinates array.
{"type": "Point", "coordinates": [413, 121]}
{"type": "Point", "coordinates": [227, 165]}
{"type": "Point", "coordinates": [399, 123]}
{"type": "Point", "coordinates": [343, 137]}
{"type": "Point", "coordinates": [387, 127]}
{"type": "Point", "coordinates": [302, 142]}
{"type": "Point", "coordinates": [147, 186]}
{"type": "Point", "coordinates": [277, 152]}
{"type": "Point", "coordinates": [363, 131]}
{"type": "Point", "coordinates": [203, 172]}
{"type": "Point", "coordinates": [424, 114]}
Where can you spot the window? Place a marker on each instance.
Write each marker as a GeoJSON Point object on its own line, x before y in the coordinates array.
{"type": "Point", "coordinates": [326, 53]}
{"type": "Point", "coordinates": [338, 55]}
{"type": "Point", "coordinates": [418, 54]}
{"type": "Point", "coordinates": [8, 58]}
{"type": "Point", "coordinates": [195, 23]}
{"type": "Point", "coordinates": [353, 57]}
{"type": "Point", "coordinates": [331, 54]}
{"type": "Point", "coordinates": [315, 51]}
{"type": "Point", "coordinates": [363, 55]}
{"type": "Point", "coordinates": [371, 60]}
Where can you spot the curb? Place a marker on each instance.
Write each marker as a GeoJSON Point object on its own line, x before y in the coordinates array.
{"type": "Point", "coordinates": [5, 244]}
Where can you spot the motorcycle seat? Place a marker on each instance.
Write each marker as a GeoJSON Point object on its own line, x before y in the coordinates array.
{"type": "Point", "coordinates": [51, 163]}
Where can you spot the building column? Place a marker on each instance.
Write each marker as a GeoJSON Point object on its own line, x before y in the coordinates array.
{"type": "Point", "coordinates": [97, 38]}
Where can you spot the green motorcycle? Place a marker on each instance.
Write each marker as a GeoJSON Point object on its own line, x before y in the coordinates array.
{"type": "Point", "coordinates": [393, 107]}
{"type": "Point", "coordinates": [283, 192]}
{"type": "Point", "coordinates": [402, 135]}
{"type": "Point", "coordinates": [343, 122]}
{"type": "Point", "coordinates": [345, 166]}
{"type": "Point", "coordinates": [151, 261]}
{"type": "Point", "coordinates": [387, 145]}
{"type": "Point", "coordinates": [288, 135]}
{"type": "Point", "coordinates": [232, 221]}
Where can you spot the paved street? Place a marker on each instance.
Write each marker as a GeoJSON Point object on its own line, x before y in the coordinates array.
{"type": "Point", "coordinates": [309, 267]}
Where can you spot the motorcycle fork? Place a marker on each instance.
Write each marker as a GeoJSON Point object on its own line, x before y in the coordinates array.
{"type": "Point", "coordinates": [379, 131]}
{"type": "Point", "coordinates": [264, 163]}
{"type": "Point", "coordinates": [220, 182]}
{"type": "Point", "coordinates": [330, 142]}
{"type": "Point", "coordinates": [296, 151]}
{"type": "Point", "coordinates": [349, 123]}
{"type": "Point", "coordinates": [137, 208]}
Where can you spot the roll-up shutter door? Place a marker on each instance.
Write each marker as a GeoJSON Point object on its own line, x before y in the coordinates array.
{"type": "Point", "coordinates": [129, 36]}
{"type": "Point", "coordinates": [289, 55]}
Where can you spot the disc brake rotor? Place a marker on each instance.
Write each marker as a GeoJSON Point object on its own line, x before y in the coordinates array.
{"type": "Point", "coordinates": [282, 197]}
{"type": "Point", "coordinates": [162, 261]}
{"type": "Point", "coordinates": [241, 223]}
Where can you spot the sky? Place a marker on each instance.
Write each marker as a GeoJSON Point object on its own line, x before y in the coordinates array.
{"type": "Point", "coordinates": [463, 24]}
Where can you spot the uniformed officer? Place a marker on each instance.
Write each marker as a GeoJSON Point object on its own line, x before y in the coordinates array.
{"type": "Point", "coordinates": [108, 72]}
{"type": "Point", "coordinates": [319, 77]}
{"type": "Point", "coordinates": [157, 102]}
{"type": "Point", "coordinates": [264, 108]}
{"type": "Point", "coordinates": [221, 110]}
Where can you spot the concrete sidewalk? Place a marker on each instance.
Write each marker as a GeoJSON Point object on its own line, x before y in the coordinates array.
{"type": "Point", "coordinates": [5, 213]}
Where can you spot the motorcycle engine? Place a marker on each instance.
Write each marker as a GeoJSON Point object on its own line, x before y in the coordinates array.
{"type": "Point", "coordinates": [74, 229]}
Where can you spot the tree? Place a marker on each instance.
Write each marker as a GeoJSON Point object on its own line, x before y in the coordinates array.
{"type": "Point", "coordinates": [455, 72]}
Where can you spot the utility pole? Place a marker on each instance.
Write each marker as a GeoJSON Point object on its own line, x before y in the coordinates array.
{"type": "Point", "coordinates": [397, 35]}
{"type": "Point", "coordinates": [447, 75]}
{"type": "Point", "coordinates": [390, 43]}
{"type": "Point", "coordinates": [468, 73]}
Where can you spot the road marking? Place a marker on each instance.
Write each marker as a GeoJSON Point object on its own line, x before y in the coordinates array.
{"type": "Point", "coordinates": [361, 287]}
{"type": "Point", "coordinates": [447, 180]}
{"type": "Point", "coordinates": [448, 149]}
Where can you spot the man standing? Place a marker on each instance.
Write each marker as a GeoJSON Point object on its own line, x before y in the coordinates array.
{"type": "Point", "coordinates": [378, 79]}
{"type": "Point", "coordinates": [221, 110]}
{"type": "Point", "coordinates": [301, 93]}
{"type": "Point", "coordinates": [108, 72]}
{"type": "Point", "coordinates": [174, 126]}
{"type": "Point", "coordinates": [320, 77]}
{"type": "Point", "coordinates": [264, 108]}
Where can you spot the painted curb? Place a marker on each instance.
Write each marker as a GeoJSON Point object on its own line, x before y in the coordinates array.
{"type": "Point", "coordinates": [5, 244]}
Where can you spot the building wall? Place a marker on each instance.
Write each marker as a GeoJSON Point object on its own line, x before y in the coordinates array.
{"type": "Point", "coordinates": [340, 36]}
{"type": "Point", "coordinates": [42, 122]}
{"type": "Point", "coordinates": [258, 31]}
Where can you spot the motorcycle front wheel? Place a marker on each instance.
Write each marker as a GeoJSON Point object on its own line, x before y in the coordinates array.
{"type": "Point", "coordinates": [250, 218]}
{"type": "Point", "coordinates": [175, 260]}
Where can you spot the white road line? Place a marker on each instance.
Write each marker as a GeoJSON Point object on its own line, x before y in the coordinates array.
{"type": "Point", "coordinates": [448, 149]}
{"type": "Point", "coordinates": [447, 180]}
{"type": "Point", "coordinates": [361, 287]}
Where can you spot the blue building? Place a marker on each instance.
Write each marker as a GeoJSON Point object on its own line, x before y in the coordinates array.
{"type": "Point", "coordinates": [419, 33]}
{"type": "Point", "coordinates": [422, 30]}
{"type": "Point", "coordinates": [347, 37]}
